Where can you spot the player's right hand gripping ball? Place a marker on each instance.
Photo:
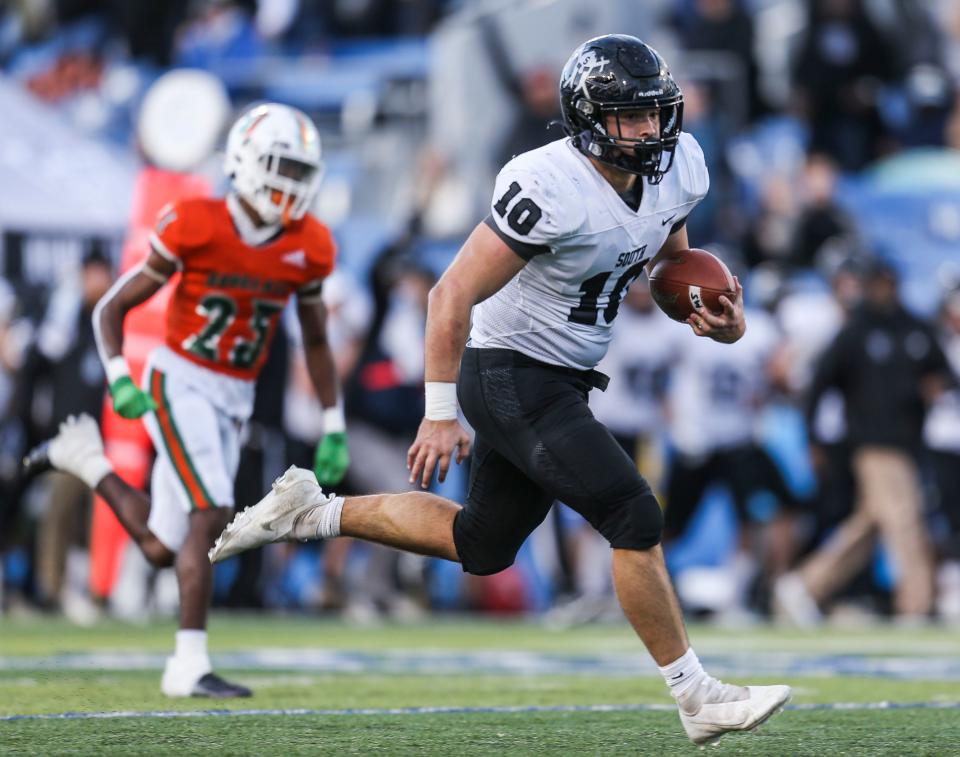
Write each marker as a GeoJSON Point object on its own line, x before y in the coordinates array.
{"type": "Point", "coordinates": [129, 400]}
{"type": "Point", "coordinates": [331, 459]}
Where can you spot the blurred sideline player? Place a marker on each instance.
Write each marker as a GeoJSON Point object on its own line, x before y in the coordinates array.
{"type": "Point", "coordinates": [240, 259]}
{"type": "Point", "coordinates": [717, 393]}
{"type": "Point", "coordinates": [572, 225]}
{"type": "Point", "coordinates": [941, 434]}
{"type": "Point", "coordinates": [182, 118]}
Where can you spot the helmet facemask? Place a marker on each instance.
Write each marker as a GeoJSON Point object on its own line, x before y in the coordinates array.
{"type": "Point", "coordinates": [289, 186]}
{"type": "Point", "coordinates": [650, 157]}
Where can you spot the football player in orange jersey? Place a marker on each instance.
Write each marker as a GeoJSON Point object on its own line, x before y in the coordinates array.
{"type": "Point", "coordinates": [239, 260]}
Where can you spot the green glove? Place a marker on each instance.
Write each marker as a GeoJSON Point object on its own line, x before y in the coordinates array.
{"type": "Point", "coordinates": [331, 459]}
{"type": "Point", "coordinates": [129, 400]}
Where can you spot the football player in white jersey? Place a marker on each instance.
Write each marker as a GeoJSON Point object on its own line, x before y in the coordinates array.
{"type": "Point", "coordinates": [717, 395]}
{"type": "Point", "coordinates": [572, 225]}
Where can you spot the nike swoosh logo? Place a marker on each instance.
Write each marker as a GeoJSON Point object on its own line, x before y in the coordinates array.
{"type": "Point", "coordinates": [676, 677]}
{"type": "Point", "coordinates": [665, 221]}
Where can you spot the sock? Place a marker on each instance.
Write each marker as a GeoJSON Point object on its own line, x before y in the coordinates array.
{"type": "Point", "coordinates": [683, 674]}
{"type": "Point", "coordinates": [191, 644]}
{"type": "Point", "coordinates": [330, 519]}
{"type": "Point", "coordinates": [320, 522]}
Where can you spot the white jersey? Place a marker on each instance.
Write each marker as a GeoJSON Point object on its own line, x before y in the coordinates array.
{"type": "Point", "coordinates": [810, 321]}
{"type": "Point", "coordinates": [584, 244]}
{"type": "Point", "coordinates": [717, 389]}
{"type": "Point", "coordinates": [638, 362]}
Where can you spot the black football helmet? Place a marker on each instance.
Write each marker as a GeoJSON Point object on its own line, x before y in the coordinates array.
{"type": "Point", "coordinates": [611, 74]}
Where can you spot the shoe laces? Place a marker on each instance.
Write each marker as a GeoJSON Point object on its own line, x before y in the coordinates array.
{"type": "Point", "coordinates": [715, 691]}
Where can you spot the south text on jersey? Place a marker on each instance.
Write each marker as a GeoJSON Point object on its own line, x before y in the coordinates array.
{"type": "Point", "coordinates": [631, 257]}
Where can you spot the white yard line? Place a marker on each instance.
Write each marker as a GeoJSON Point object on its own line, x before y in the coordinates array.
{"type": "Point", "coordinates": [454, 710]}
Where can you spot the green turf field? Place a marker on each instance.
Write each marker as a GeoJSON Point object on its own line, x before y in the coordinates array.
{"type": "Point", "coordinates": [470, 669]}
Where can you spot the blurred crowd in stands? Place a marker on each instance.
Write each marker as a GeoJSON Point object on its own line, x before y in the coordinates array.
{"type": "Point", "coordinates": [809, 472]}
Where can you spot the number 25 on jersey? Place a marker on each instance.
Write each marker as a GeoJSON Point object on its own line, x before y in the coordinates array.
{"type": "Point", "coordinates": [220, 310]}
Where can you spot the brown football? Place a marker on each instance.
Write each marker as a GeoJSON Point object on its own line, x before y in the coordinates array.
{"type": "Point", "coordinates": [684, 281]}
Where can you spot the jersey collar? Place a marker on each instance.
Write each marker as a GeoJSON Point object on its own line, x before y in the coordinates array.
{"type": "Point", "coordinates": [648, 195]}
{"type": "Point", "coordinates": [249, 232]}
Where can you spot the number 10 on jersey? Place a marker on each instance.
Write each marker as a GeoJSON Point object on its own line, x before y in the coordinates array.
{"type": "Point", "coordinates": [587, 309]}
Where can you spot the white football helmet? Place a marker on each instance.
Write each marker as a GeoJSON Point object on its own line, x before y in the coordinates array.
{"type": "Point", "coordinates": [273, 160]}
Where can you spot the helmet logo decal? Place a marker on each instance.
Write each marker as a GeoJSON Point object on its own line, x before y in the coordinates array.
{"type": "Point", "coordinates": [304, 131]}
{"type": "Point", "coordinates": [255, 118]}
{"type": "Point", "coordinates": [587, 64]}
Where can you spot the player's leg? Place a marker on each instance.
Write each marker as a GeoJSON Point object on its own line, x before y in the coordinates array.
{"type": "Point", "coordinates": [641, 581]}
{"type": "Point", "coordinates": [417, 522]}
{"type": "Point", "coordinates": [296, 509]}
{"type": "Point", "coordinates": [197, 451]}
{"type": "Point", "coordinates": [194, 571]}
{"type": "Point", "coordinates": [132, 508]}
{"type": "Point", "coordinates": [503, 506]}
{"type": "Point", "coordinates": [579, 462]}
{"type": "Point", "coordinates": [78, 449]}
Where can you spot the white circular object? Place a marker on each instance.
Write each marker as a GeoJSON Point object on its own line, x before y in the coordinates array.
{"type": "Point", "coordinates": [181, 119]}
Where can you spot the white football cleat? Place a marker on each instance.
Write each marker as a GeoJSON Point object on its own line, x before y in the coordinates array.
{"type": "Point", "coordinates": [274, 517]}
{"type": "Point", "coordinates": [714, 719]}
{"type": "Point", "coordinates": [78, 449]}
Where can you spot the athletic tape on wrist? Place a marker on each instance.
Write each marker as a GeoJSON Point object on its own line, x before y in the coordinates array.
{"type": "Point", "coordinates": [333, 420]}
{"type": "Point", "coordinates": [441, 401]}
{"type": "Point", "coordinates": [117, 368]}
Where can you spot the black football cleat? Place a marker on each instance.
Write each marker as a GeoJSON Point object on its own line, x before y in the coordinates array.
{"type": "Point", "coordinates": [36, 461]}
{"type": "Point", "coordinates": [213, 686]}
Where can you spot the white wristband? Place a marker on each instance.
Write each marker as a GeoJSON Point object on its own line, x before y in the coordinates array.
{"type": "Point", "coordinates": [333, 420]}
{"type": "Point", "coordinates": [441, 401]}
{"type": "Point", "coordinates": [117, 368]}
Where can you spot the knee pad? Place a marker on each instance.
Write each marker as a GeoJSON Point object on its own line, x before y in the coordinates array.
{"type": "Point", "coordinates": [635, 522]}
{"type": "Point", "coordinates": [483, 551]}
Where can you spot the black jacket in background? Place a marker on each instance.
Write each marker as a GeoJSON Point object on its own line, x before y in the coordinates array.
{"type": "Point", "coordinates": [74, 382]}
{"type": "Point", "coordinates": [877, 362]}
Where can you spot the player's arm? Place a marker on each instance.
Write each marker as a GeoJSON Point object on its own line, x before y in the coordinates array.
{"type": "Point", "coordinates": [331, 458]}
{"type": "Point", "coordinates": [133, 288]}
{"type": "Point", "coordinates": [677, 241]}
{"type": "Point", "coordinates": [727, 327]}
{"type": "Point", "coordinates": [483, 266]}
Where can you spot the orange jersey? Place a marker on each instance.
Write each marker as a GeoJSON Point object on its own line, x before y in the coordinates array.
{"type": "Point", "coordinates": [225, 308]}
